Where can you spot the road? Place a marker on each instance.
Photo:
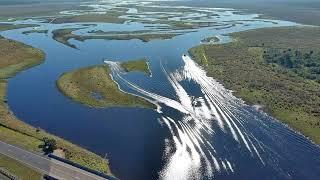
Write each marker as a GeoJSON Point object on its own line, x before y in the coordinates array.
{"type": "Point", "coordinates": [47, 165]}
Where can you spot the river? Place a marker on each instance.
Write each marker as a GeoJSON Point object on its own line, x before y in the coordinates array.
{"type": "Point", "coordinates": [199, 131]}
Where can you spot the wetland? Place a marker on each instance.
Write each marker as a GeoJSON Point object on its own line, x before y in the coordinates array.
{"type": "Point", "coordinates": [124, 86]}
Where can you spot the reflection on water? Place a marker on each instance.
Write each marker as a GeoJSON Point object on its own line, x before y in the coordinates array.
{"type": "Point", "coordinates": [199, 131]}
{"type": "Point", "coordinates": [190, 153]}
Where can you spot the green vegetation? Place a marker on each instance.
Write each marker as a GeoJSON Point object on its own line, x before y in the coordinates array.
{"type": "Point", "coordinates": [44, 31]}
{"type": "Point", "coordinates": [34, 8]}
{"type": "Point", "coordinates": [211, 40]}
{"type": "Point", "coordinates": [143, 37]}
{"type": "Point", "coordinates": [110, 17]}
{"type": "Point", "coordinates": [14, 168]}
{"type": "Point", "coordinates": [301, 11]}
{"type": "Point", "coordinates": [15, 57]}
{"type": "Point", "coordinates": [180, 25]}
{"type": "Point", "coordinates": [49, 145]}
{"type": "Point", "coordinates": [5, 27]}
{"type": "Point", "coordinates": [300, 62]}
{"type": "Point", "coordinates": [115, 15]}
{"type": "Point", "coordinates": [64, 35]}
{"type": "Point", "coordinates": [93, 86]}
{"type": "Point", "coordinates": [11, 136]}
{"type": "Point", "coordinates": [262, 67]}
{"type": "Point", "coordinates": [140, 65]}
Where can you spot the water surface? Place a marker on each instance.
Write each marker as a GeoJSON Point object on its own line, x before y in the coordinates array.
{"type": "Point", "coordinates": [200, 131]}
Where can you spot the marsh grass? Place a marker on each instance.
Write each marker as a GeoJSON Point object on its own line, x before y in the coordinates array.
{"type": "Point", "coordinates": [139, 65]}
{"type": "Point", "coordinates": [80, 84]}
{"type": "Point", "coordinates": [64, 35]}
{"type": "Point", "coordinates": [241, 66]}
{"type": "Point", "coordinates": [110, 17]}
{"type": "Point", "coordinates": [45, 31]}
{"type": "Point", "coordinates": [5, 27]}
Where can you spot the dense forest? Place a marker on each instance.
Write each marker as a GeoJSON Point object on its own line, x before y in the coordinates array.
{"type": "Point", "coordinates": [303, 63]}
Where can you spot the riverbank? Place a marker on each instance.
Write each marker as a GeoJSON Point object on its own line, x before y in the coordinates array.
{"type": "Point", "coordinates": [264, 67]}
{"type": "Point", "coordinates": [16, 57]}
{"type": "Point", "coordinates": [93, 86]}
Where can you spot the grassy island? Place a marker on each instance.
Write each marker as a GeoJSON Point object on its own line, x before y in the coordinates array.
{"type": "Point", "coordinates": [142, 35]}
{"type": "Point", "coordinates": [211, 40]}
{"type": "Point", "coordinates": [40, 31]}
{"type": "Point", "coordinates": [15, 57]}
{"type": "Point", "coordinates": [93, 86]}
{"type": "Point", "coordinates": [5, 27]}
{"type": "Point", "coordinates": [64, 35]}
{"type": "Point", "coordinates": [275, 67]}
{"type": "Point", "coordinates": [139, 65]}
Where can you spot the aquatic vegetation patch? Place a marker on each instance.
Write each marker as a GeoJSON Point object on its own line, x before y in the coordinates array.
{"type": "Point", "coordinates": [144, 36]}
{"type": "Point", "coordinates": [139, 65]}
{"type": "Point", "coordinates": [64, 35]}
{"type": "Point", "coordinates": [41, 31]}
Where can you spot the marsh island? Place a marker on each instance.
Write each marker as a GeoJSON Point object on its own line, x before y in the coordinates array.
{"type": "Point", "coordinates": [95, 87]}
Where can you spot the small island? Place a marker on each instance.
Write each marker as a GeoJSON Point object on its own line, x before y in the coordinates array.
{"type": "Point", "coordinates": [211, 40]}
{"type": "Point", "coordinates": [139, 65]}
{"type": "Point", "coordinates": [64, 35]}
{"type": "Point", "coordinates": [94, 86]}
{"type": "Point", "coordinates": [39, 31]}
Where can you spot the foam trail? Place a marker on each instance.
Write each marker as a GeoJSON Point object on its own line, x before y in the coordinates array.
{"type": "Point", "coordinates": [161, 99]}
{"type": "Point", "coordinates": [230, 166]}
{"type": "Point", "coordinates": [224, 165]}
{"type": "Point", "coordinates": [192, 153]}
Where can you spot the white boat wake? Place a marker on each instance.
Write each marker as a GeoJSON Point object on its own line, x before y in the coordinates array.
{"type": "Point", "coordinates": [190, 153]}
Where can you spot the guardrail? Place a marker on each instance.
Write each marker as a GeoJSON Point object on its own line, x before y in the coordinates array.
{"type": "Point", "coordinates": [82, 167]}
{"type": "Point", "coordinates": [7, 174]}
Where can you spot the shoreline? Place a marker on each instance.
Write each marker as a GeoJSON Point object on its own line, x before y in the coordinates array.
{"type": "Point", "coordinates": [89, 86]}
{"type": "Point", "coordinates": [301, 121]}
{"type": "Point", "coordinates": [21, 134]}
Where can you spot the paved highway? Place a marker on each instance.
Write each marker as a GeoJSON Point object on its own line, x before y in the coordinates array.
{"type": "Point", "coordinates": [46, 165]}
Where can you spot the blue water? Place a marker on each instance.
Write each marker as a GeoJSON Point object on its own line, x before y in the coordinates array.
{"type": "Point", "coordinates": [134, 138]}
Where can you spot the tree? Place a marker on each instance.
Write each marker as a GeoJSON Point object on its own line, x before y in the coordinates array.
{"type": "Point", "coordinates": [49, 145]}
